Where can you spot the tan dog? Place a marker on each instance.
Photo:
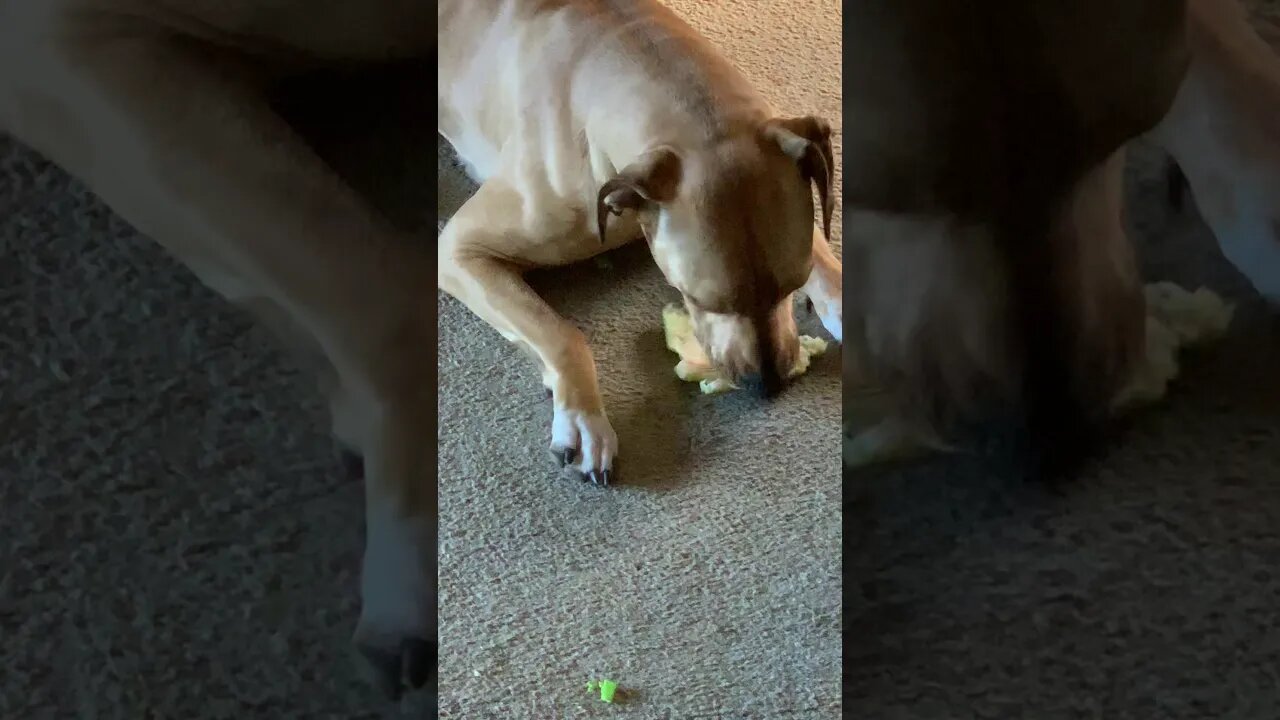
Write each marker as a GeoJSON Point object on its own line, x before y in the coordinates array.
{"type": "Point", "coordinates": [570, 111]}
{"type": "Point", "coordinates": [983, 158]}
{"type": "Point", "coordinates": [986, 237]}
{"type": "Point", "coordinates": [160, 107]}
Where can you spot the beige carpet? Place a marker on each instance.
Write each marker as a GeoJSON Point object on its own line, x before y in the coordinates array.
{"type": "Point", "coordinates": [707, 583]}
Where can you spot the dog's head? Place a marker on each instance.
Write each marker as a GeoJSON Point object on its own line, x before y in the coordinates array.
{"type": "Point", "coordinates": [731, 227]}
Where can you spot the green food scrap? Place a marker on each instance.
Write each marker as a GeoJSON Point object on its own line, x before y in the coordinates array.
{"type": "Point", "coordinates": [607, 689]}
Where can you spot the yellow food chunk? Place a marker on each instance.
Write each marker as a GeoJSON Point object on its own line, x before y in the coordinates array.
{"type": "Point", "coordinates": [1176, 319]}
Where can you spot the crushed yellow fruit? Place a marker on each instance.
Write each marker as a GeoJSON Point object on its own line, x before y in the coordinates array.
{"type": "Point", "coordinates": [694, 365]}
{"type": "Point", "coordinates": [1176, 319]}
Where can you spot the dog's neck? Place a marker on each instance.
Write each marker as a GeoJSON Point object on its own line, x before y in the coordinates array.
{"type": "Point", "coordinates": [612, 145]}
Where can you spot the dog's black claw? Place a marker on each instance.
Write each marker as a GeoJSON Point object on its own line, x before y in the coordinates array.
{"type": "Point", "coordinates": [420, 658]}
{"type": "Point", "coordinates": [1176, 185]}
{"type": "Point", "coordinates": [564, 458]}
{"type": "Point", "coordinates": [386, 671]}
{"type": "Point", "coordinates": [549, 393]}
{"type": "Point", "coordinates": [353, 465]}
{"type": "Point", "coordinates": [414, 664]}
{"type": "Point", "coordinates": [596, 478]}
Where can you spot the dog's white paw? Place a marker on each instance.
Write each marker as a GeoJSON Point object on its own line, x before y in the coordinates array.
{"type": "Point", "coordinates": [397, 629]}
{"type": "Point", "coordinates": [585, 443]}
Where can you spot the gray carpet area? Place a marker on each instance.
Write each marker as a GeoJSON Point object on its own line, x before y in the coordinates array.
{"type": "Point", "coordinates": [707, 583]}
{"type": "Point", "coordinates": [1149, 589]}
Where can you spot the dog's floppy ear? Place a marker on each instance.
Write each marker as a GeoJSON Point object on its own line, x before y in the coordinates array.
{"type": "Point", "coordinates": [807, 140]}
{"type": "Point", "coordinates": [651, 178]}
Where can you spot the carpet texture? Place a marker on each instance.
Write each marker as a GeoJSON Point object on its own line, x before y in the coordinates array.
{"type": "Point", "coordinates": [707, 583]}
{"type": "Point", "coordinates": [1147, 589]}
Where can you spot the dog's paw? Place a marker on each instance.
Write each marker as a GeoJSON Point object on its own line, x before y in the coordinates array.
{"type": "Point", "coordinates": [397, 629]}
{"type": "Point", "coordinates": [584, 443]}
{"type": "Point", "coordinates": [395, 666]}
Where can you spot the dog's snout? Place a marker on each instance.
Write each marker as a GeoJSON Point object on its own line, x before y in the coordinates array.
{"type": "Point", "coordinates": [751, 353]}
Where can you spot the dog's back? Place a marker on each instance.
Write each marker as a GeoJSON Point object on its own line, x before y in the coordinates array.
{"type": "Point", "coordinates": [594, 56]}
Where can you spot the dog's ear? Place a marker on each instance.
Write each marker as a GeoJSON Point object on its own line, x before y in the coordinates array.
{"type": "Point", "coordinates": [807, 141]}
{"type": "Point", "coordinates": [651, 178]}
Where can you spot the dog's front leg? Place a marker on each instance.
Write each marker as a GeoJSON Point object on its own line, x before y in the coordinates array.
{"type": "Point", "coordinates": [825, 287]}
{"type": "Point", "coordinates": [398, 579]}
{"type": "Point", "coordinates": [472, 268]}
{"type": "Point", "coordinates": [194, 156]}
